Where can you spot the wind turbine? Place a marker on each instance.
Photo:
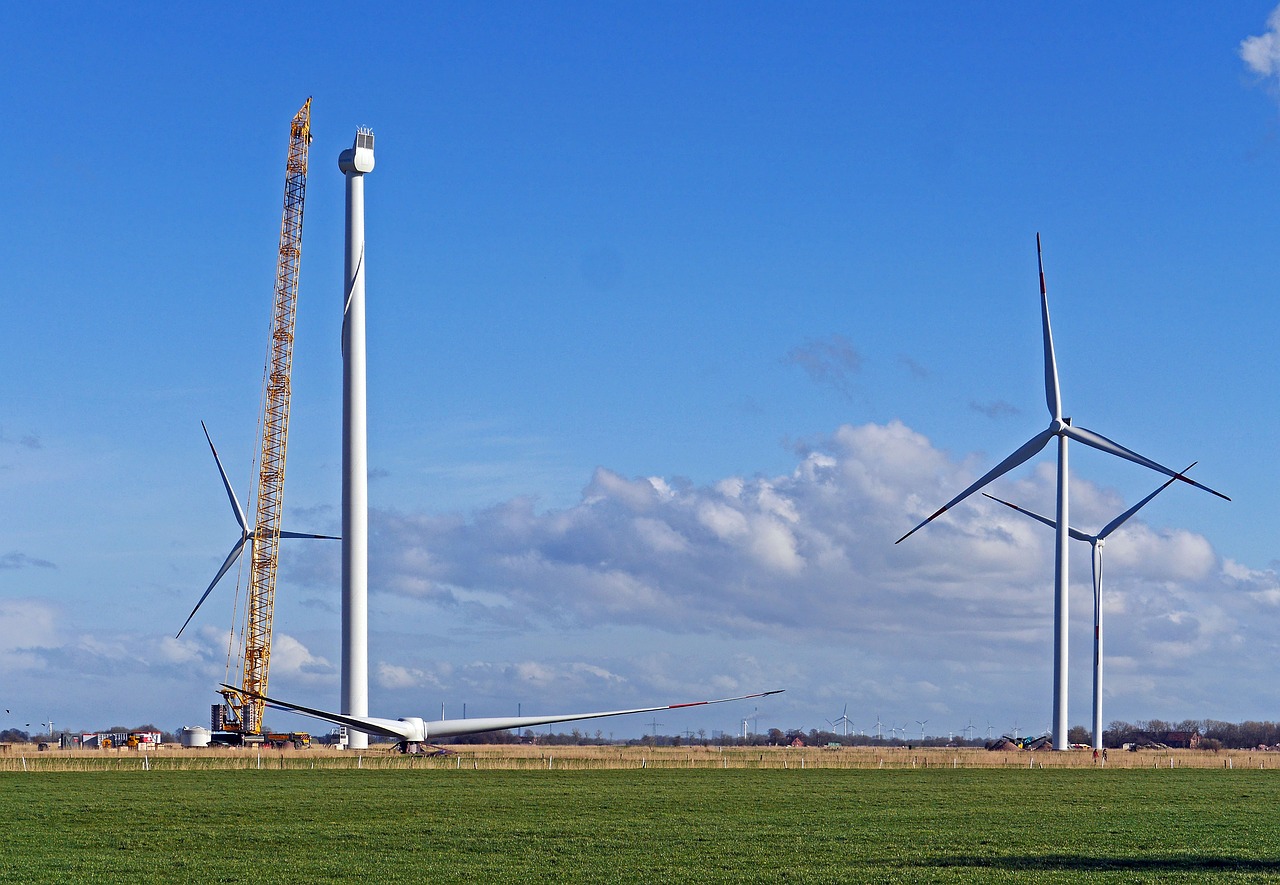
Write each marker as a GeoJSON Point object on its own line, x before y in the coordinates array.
{"type": "Point", "coordinates": [844, 718]}
{"type": "Point", "coordinates": [879, 725]}
{"type": "Point", "coordinates": [247, 535]}
{"type": "Point", "coordinates": [921, 723]}
{"type": "Point", "coordinates": [412, 734]}
{"type": "Point", "coordinates": [1096, 542]}
{"type": "Point", "coordinates": [968, 728]}
{"type": "Point", "coordinates": [1062, 429]}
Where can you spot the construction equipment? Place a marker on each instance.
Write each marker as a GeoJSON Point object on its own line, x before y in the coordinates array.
{"type": "Point", "coordinates": [242, 712]}
{"type": "Point", "coordinates": [296, 739]}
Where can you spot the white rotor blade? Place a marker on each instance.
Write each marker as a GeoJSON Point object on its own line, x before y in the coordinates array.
{"type": "Point", "coordinates": [1024, 453]}
{"type": "Point", "coordinates": [1052, 393]}
{"type": "Point", "coordinates": [392, 728]}
{"type": "Point", "coordinates": [1100, 442]}
{"type": "Point", "coordinates": [457, 727]}
{"type": "Point", "coordinates": [1123, 517]}
{"type": "Point", "coordinates": [235, 505]}
{"type": "Point", "coordinates": [443, 728]}
{"type": "Point", "coordinates": [316, 537]}
{"type": "Point", "coordinates": [231, 558]}
{"type": "Point", "coordinates": [1051, 523]}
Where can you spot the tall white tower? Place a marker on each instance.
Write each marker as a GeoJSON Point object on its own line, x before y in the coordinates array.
{"type": "Point", "coordinates": [355, 163]}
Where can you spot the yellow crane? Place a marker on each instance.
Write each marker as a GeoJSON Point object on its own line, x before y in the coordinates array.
{"type": "Point", "coordinates": [243, 710]}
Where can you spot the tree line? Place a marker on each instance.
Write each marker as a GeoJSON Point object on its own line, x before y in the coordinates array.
{"type": "Point", "coordinates": [1214, 733]}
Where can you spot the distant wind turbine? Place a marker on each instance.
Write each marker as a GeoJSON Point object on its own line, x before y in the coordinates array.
{"type": "Point", "coordinates": [1063, 430]}
{"type": "Point", "coordinates": [1096, 542]}
{"type": "Point", "coordinates": [247, 535]}
{"type": "Point", "coordinates": [844, 719]}
{"type": "Point", "coordinates": [922, 723]}
{"type": "Point", "coordinates": [879, 725]}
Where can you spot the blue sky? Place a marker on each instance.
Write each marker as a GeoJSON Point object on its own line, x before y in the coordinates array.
{"type": "Point", "coordinates": [678, 317]}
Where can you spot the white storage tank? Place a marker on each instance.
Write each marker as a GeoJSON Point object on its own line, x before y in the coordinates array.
{"type": "Point", "coordinates": [195, 736]}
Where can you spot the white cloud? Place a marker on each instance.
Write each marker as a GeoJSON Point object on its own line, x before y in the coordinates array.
{"type": "Point", "coordinates": [809, 553]}
{"type": "Point", "coordinates": [1262, 53]}
{"type": "Point", "coordinates": [26, 625]}
{"type": "Point", "coordinates": [394, 676]}
{"type": "Point", "coordinates": [289, 657]}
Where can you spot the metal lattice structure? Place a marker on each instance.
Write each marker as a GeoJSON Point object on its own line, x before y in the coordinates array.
{"type": "Point", "coordinates": [260, 601]}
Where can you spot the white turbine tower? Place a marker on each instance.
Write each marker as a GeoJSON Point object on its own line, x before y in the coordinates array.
{"type": "Point", "coordinates": [879, 725]}
{"type": "Point", "coordinates": [1063, 430]}
{"type": "Point", "coordinates": [1097, 542]}
{"type": "Point", "coordinates": [355, 163]}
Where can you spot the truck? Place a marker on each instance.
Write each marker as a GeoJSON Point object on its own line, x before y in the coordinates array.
{"type": "Point", "coordinates": [280, 740]}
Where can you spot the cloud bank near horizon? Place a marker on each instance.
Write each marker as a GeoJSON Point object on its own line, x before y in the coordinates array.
{"type": "Point", "coordinates": [807, 560]}
{"type": "Point", "coordinates": [661, 586]}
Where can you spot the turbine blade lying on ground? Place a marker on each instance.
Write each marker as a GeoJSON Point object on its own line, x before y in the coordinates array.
{"type": "Point", "coordinates": [392, 728]}
{"type": "Point", "coordinates": [1100, 442]}
{"type": "Point", "coordinates": [443, 728]}
{"type": "Point", "coordinates": [1024, 453]}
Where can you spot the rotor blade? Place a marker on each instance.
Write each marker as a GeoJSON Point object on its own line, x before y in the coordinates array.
{"type": "Point", "coordinates": [1051, 523]}
{"type": "Point", "coordinates": [231, 558]}
{"type": "Point", "coordinates": [302, 535]}
{"type": "Point", "coordinates": [1123, 517]}
{"type": "Point", "coordinates": [443, 728]}
{"type": "Point", "coordinates": [1100, 442]}
{"type": "Point", "coordinates": [457, 727]}
{"type": "Point", "coordinates": [386, 727]}
{"type": "Point", "coordinates": [235, 505]}
{"type": "Point", "coordinates": [1024, 453]}
{"type": "Point", "coordinates": [1052, 394]}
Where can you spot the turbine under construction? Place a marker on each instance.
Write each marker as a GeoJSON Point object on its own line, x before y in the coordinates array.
{"type": "Point", "coordinates": [355, 163]}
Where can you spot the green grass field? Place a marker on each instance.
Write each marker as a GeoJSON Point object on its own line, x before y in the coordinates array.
{"type": "Point", "coordinates": [819, 825]}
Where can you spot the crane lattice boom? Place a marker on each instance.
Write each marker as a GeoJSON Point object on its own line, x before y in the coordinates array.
{"type": "Point", "coordinates": [275, 434]}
